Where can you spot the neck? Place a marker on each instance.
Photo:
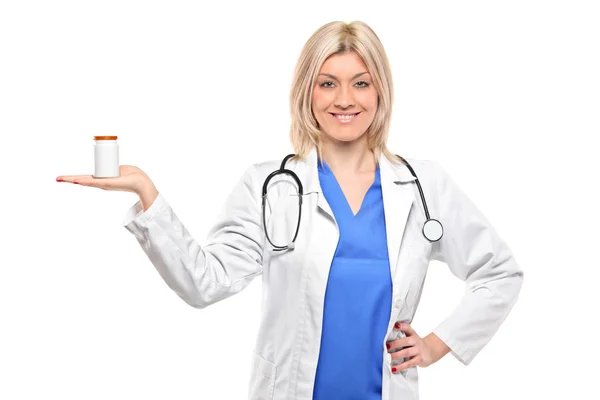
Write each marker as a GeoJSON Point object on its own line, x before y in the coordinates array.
{"type": "Point", "coordinates": [348, 157]}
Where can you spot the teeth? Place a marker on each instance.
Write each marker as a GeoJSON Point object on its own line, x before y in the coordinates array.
{"type": "Point", "coordinates": [345, 118]}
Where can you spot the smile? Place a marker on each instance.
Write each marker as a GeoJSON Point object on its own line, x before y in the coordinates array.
{"type": "Point", "coordinates": [344, 118]}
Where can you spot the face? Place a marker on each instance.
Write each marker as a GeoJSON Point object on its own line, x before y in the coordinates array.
{"type": "Point", "coordinates": [344, 99]}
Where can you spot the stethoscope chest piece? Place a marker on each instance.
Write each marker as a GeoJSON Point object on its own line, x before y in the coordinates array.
{"type": "Point", "coordinates": [433, 230]}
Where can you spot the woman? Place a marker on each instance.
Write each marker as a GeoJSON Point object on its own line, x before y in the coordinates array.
{"type": "Point", "coordinates": [337, 305]}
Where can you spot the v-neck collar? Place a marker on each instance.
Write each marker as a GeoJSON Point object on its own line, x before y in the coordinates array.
{"type": "Point", "coordinates": [326, 171]}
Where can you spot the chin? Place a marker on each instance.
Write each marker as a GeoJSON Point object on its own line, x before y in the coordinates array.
{"type": "Point", "coordinates": [344, 136]}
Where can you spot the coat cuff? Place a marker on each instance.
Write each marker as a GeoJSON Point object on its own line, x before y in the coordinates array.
{"type": "Point", "coordinates": [136, 220]}
{"type": "Point", "coordinates": [462, 353]}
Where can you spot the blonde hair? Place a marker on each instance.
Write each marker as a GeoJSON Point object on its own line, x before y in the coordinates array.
{"type": "Point", "coordinates": [337, 38]}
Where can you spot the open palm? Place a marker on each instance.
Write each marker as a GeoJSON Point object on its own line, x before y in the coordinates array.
{"type": "Point", "coordinates": [131, 179]}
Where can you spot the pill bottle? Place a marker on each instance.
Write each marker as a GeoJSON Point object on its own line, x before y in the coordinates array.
{"type": "Point", "coordinates": [106, 157]}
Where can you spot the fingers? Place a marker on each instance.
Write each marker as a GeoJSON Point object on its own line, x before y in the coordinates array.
{"type": "Point", "coordinates": [406, 352]}
{"type": "Point", "coordinates": [397, 344]}
{"type": "Point", "coordinates": [413, 362]}
{"type": "Point", "coordinates": [86, 180]}
{"type": "Point", "coordinates": [411, 338]}
{"type": "Point", "coordinates": [412, 358]}
{"type": "Point", "coordinates": [405, 327]}
{"type": "Point", "coordinates": [126, 183]}
{"type": "Point", "coordinates": [73, 178]}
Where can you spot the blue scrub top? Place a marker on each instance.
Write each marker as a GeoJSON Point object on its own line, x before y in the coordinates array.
{"type": "Point", "coordinates": [357, 299]}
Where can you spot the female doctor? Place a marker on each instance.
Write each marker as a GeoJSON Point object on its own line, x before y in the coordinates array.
{"type": "Point", "coordinates": [341, 236]}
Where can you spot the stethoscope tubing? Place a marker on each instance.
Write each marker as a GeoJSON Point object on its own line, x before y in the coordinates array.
{"type": "Point", "coordinates": [438, 229]}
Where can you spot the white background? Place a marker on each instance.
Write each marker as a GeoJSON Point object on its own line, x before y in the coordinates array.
{"type": "Point", "coordinates": [503, 94]}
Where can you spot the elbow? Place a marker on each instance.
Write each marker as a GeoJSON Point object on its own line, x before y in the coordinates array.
{"type": "Point", "coordinates": [510, 286]}
{"type": "Point", "coordinates": [504, 284]}
{"type": "Point", "coordinates": [518, 277]}
{"type": "Point", "coordinates": [203, 296]}
{"type": "Point", "coordinates": [197, 300]}
{"type": "Point", "coordinates": [197, 305]}
{"type": "Point", "coordinates": [515, 275]}
{"type": "Point", "coordinates": [192, 296]}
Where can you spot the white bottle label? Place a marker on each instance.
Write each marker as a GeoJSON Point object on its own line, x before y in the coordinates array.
{"type": "Point", "coordinates": [106, 159]}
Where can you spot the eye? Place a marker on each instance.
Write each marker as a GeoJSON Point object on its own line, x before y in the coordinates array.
{"type": "Point", "coordinates": [326, 84]}
{"type": "Point", "coordinates": [362, 84]}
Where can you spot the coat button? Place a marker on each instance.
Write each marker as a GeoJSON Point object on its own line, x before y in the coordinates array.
{"type": "Point", "coordinates": [398, 303]}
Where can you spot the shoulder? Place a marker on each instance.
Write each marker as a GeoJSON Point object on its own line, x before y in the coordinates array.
{"type": "Point", "coordinates": [261, 170]}
{"type": "Point", "coordinates": [430, 176]}
{"type": "Point", "coordinates": [264, 168]}
{"type": "Point", "coordinates": [255, 175]}
{"type": "Point", "coordinates": [419, 163]}
{"type": "Point", "coordinates": [426, 170]}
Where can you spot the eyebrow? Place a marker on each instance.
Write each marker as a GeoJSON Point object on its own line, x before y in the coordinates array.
{"type": "Point", "coordinates": [354, 77]}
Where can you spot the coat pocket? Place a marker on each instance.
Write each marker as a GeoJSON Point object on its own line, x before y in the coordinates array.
{"type": "Point", "coordinates": [400, 388]}
{"type": "Point", "coordinates": [262, 379]}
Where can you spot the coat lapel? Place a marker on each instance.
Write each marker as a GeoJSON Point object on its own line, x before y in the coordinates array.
{"type": "Point", "coordinates": [313, 184]}
{"type": "Point", "coordinates": [398, 196]}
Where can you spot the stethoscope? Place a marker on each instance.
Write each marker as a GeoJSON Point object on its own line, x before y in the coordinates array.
{"type": "Point", "coordinates": [432, 228]}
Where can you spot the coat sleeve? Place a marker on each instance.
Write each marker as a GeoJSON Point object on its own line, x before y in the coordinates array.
{"type": "Point", "coordinates": [228, 261]}
{"type": "Point", "coordinates": [476, 254]}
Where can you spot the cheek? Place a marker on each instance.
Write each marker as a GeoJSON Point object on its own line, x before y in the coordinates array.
{"type": "Point", "coordinates": [319, 101]}
{"type": "Point", "coordinates": [319, 106]}
{"type": "Point", "coordinates": [369, 101]}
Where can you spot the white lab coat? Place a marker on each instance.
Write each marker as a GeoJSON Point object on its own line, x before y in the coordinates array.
{"type": "Point", "coordinates": [294, 282]}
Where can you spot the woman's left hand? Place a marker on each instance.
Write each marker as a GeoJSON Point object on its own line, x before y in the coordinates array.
{"type": "Point", "coordinates": [421, 352]}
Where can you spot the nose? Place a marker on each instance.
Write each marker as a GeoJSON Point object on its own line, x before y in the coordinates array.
{"type": "Point", "coordinates": [344, 98]}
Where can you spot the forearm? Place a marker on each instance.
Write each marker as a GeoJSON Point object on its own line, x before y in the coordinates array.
{"type": "Point", "coordinates": [201, 275]}
{"type": "Point", "coordinates": [438, 348]}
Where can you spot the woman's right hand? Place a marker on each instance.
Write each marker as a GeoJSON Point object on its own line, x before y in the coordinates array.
{"type": "Point", "coordinates": [131, 179]}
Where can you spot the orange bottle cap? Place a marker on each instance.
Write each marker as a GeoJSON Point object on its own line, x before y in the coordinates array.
{"type": "Point", "coordinates": [105, 138]}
